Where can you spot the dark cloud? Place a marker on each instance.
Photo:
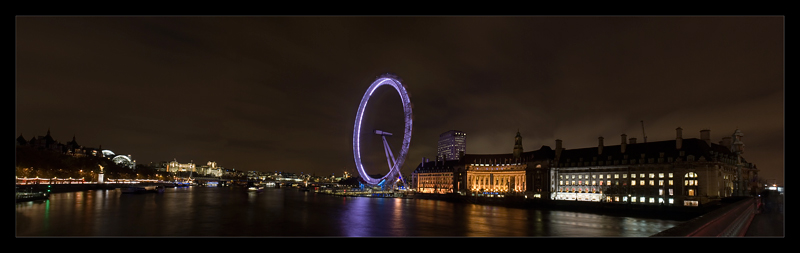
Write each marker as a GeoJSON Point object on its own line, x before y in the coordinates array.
{"type": "Point", "coordinates": [281, 93]}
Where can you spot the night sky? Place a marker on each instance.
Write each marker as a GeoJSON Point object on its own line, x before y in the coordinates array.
{"type": "Point", "coordinates": [281, 93]}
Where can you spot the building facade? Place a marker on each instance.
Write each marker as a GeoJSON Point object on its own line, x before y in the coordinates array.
{"type": "Point", "coordinates": [485, 174]}
{"type": "Point", "coordinates": [451, 144]}
{"type": "Point", "coordinates": [174, 167]}
{"type": "Point", "coordinates": [678, 172]}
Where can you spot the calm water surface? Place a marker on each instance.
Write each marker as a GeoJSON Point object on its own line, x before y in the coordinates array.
{"type": "Point", "coordinates": [234, 212]}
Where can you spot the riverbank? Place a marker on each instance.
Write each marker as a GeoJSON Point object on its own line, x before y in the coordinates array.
{"type": "Point", "coordinates": [57, 188]}
{"type": "Point", "coordinates": [678, 213]}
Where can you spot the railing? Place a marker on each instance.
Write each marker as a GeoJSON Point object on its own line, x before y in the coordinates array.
{"type": "Point", "coordinates": [730, 220]}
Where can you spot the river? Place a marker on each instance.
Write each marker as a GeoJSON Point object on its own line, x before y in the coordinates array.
{"type": "Point", "coordinates": [287, 212]}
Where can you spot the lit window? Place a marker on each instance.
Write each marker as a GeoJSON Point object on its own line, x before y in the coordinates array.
{"type": "Point", "coordinates": [670, 175]}
{"type": "Point", "coordinates": [670, 193]}
{"type": "Point", "coordinates": [624, 198]}
{"type": "Point", "coordinates": [691, 192]}
{"type": "Point", "coordinates": [660, 175]}
{"type": "Point", "coordinates": [652, 200]}
{"type": "Point", "coordinates": [601, 176]}
{"type": "Point", "coordinates": [594, 176]}
{"type": "Point", "coordinates": [661, 200]}
{"type": "Point", "coordinates": [670, 182]}
{"type": "Point", "coordinates": [641, 199]}
{"type": "Point", "coordinates": [608, 182]}
{"type": "Point", "coordinates": [660, 192]}
{"type": "Point", "coordinates": [652, 182]}
{"type": "Point", "coordinates": [633, 175]}
{"type": "Point", "coordinates": [652, 175]}
{"type": "Point", "coordinates": [593, 182]}
{"type": "Point", "coordinates": [633, 182]}
{"type": "Point", "coordinates": [641, 175]}
{"type": "Point", "coordinates": [616, 175]}
{"type": "Point", "coordinates": [660, 182]}
{"type": "Point", "coordinates": [624, 175]}
{"type": "Point", "coordinates": [671, 201]}
{"type": "Point", "coordinates": [641, 182]}
{"type": "Point", "coordinates": [633, 199]}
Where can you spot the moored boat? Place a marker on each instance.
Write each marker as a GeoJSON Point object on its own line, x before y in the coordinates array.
{"type": "Point", "coordinates": [31, 196]}
{"type": "Point", "coordinates": [142, 189]}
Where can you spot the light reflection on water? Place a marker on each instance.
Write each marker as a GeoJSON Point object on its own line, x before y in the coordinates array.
{"type": "Point", "coordinates": [234, 212]}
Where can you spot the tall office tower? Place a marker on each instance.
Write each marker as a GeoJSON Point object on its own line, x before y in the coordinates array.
{"type": "Point", "coordinates": [451, 143]}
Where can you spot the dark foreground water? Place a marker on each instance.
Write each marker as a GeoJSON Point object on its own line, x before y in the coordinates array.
{"type": "Point", "coordinates": [234, 212]}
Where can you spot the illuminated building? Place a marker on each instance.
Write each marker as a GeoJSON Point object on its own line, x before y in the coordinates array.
{"type": "Point", "coordinates": [485, 174]}
{"type": "Point", "coordinates": [174, 167]}
{"type": "Point", "coordinates": [435, 177]}
{"type": "Point", "coordinates": [679, 172]}
{"type": "Point", "coordinates": [451, 144]}
{"type": "Point", "coordinates": [210, 169]}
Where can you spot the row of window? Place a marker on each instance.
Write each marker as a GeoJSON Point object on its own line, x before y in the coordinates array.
{"type": "Point", "coordinates": [499, 164]}
{"type": "Point", "coordinates": [661, 192]}
{"type": "Point", "coordinates": [687, 182]}
{"type": "Point", "coordinates": [617, 175]}
{"type": "Point", "coordinates": [616, 182]}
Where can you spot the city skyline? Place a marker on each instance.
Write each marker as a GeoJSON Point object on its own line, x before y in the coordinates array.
{"type": "Point", "coordinates": [281, 93]}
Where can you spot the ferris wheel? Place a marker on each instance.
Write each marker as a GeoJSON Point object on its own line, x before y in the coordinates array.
{"type": "Point", "coordinates": [395, 163]}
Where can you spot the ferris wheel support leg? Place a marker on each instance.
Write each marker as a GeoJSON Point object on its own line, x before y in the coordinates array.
{"type": "Point", "coordinates": [389, 155]}
{"type": "Point", "coordinates": [390, 159]}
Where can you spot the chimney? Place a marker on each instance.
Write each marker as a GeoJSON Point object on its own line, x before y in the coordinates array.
{"type": "Point", "coordinates": [705, 135]}
{"type": "Point", "coordinates": [633, 140]}
{"type": "Point", "coordinates": [600, 145]}
{"type": "Point", "coordinates": [678, 138]}
{"type": "Point", "coordinates": [624, 144]}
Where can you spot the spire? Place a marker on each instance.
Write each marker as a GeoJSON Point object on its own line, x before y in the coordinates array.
{"type": "Point", "coordinates": [517, 145]}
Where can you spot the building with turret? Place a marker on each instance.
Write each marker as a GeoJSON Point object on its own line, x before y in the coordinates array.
{"type": "Point", "coordinates": [677, 172]}
{"type": "Point", "coordinates": [485, 174]}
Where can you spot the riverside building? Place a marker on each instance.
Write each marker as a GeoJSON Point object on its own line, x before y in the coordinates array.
{"type": "Point", "coordinates": [678, 172]}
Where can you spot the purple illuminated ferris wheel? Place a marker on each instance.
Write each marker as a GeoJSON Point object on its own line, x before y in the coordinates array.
{"type": "Point", "coordinates": [395, 163]}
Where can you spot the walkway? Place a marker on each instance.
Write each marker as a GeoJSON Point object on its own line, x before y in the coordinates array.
{"type": "Point", "coordinates": [770, 221]}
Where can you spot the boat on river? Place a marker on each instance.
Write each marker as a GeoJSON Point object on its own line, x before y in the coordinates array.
{"type": "Point", "coordinates": [255, 188]}
{"type": "Point", "coordinates": [143, 189]}
{"type": "Point", "coordinates": [23, 196]}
